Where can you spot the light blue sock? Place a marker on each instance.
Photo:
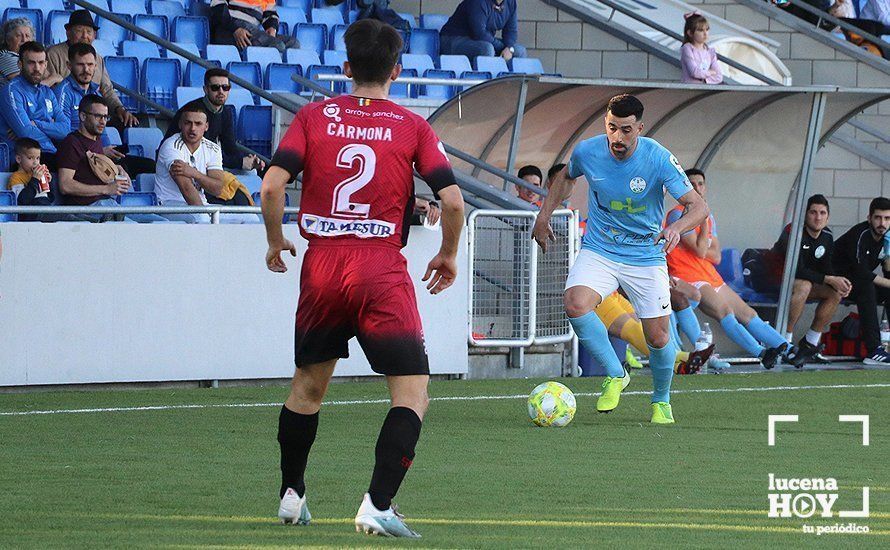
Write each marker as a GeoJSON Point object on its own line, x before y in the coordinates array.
{"type": "Point", "coordinates": [675, 336]}
{"type": "Point", "coordinates": [661, 361]}
{"type": "Point", "coordinates": [594, 337]}
{"type": "Point", "coordinates": [688, 323]}
{"type": "Point", "coordinates": [766, 334]}
{"type": "Point", "coordinates": [740, 336]}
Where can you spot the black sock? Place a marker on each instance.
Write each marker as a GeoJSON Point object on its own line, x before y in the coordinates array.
{"type": "Point", "coordinates": [296, 432]}
{"type": "Point", "coordinates": [394, 454]}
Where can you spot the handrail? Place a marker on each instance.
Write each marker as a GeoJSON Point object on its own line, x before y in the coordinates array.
{"type": "Point", "coordinates": [834, 20]}
{"type": "Point", "coordinates": [410, 80]}
{"type": "Point", "coordinates": [171, 46]}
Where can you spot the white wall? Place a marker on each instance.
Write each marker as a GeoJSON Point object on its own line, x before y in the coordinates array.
{"type": "Point", "coordinates": [86, 303]}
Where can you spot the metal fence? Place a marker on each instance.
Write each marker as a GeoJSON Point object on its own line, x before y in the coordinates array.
{"type": "Point", "coordinates": [515, 291]}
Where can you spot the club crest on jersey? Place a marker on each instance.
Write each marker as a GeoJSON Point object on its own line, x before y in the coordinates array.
{"type": "Point", "coordinates": [819, 252]}
{"type": "Point", "coordinates": [332, 111]}
{"type": "Point", "coordinates": [638, 185]}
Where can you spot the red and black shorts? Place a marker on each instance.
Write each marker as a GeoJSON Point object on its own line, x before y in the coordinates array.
{"type": "Point", "coordinates": [362, 291]}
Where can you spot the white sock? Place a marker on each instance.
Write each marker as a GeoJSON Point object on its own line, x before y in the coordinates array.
{"type": "Point", "coordinates": [813, 337]}
{"type": "Point", "coordinates": [789, 336]}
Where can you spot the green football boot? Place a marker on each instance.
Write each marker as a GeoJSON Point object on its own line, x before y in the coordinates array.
{"type": "Point", "coordinates": [661, 413]}
{"type": "Point", "coordinates": [612, 387]}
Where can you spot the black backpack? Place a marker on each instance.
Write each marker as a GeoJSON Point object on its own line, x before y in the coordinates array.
{"type": "Point", "coordinates": [759, 269]}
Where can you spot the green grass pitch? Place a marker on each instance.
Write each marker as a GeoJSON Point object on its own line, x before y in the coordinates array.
{"type": "Point", "coordinates": [206, 475]}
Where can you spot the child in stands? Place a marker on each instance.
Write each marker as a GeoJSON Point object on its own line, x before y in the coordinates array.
{"type": "Point", "coordinates": [698, 61]}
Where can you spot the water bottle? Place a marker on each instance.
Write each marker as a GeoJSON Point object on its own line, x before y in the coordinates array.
{"type": "Point", "coordinates": [885, 333]}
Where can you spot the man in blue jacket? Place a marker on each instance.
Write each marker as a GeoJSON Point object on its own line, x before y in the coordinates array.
{"type": "Point", "coordinates": [471, 30]}
{"type": "Point", "coordinates": [30, 109]}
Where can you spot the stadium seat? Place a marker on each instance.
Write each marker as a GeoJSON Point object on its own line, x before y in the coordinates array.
{"type": "Point", "coordinates": [336, 39]}
{"type": "Point", "coordinates": [303, 58]}
{"type": "Point", "coordinates": [239, 97]}
{"type": "Point", "coordinates": [248, 71]}
{"type": "Point", "coordinates": [263, 56]}
{"type": "Point", "coordinates": [527, 65]}
{"type": "Point", "coordinates": [409, 18]}
{"type": "Point", "coordinates": [183, 62]}
{"type": "Point", "coordinates": [112, 135]}
{"type": "Point", "coordinates": [424, 41]}
{"type": "Point", "coordinates": [147, 138]}
{"type": "Point", "coordinates": [311, 36]}
{"type": "Point", "coordinates": [141, 50]}
{"type": "Point", "coordinates": [6, 4]}
{"type": "Point", "coordinates": [304, 5]}
{"type": "Point", "coordinates": [252, 182]}
{"type": "Point", "coordinates": [194, 74]}
{"type": "Point", "coordinates": [4, 157]}
{"type": "Point", "coordinates": [258, 202]}
{"type": "Point", "coordinates": [4, 179]}
{"type": "Point", "coordinates": [7, 198]}
{"type": "Point", "coordinates": [456, 63]}
{"type": "Point", "coordinates": [136, 198]}
{"type": "Point", "coordinates": [730, 267]}
{"type": "Point", "coordinates": [437, 91]}
{"type": "Point", "coordinates": [155, 24]}
{"type": "Point", "coordinates": [419, 62]}
{"type": "Point", "coordinates": [145, 183]}
{"type": "Point", "coordinates": [166, 7]}
{"type": "Point", "coordinates": [191, 29]}
{"type": "Point", "coordinates": [137, 150]}
{"type": "Point", "coordinates": [404, 37]}
{"type": "Point", "coordinates": [184, 94]}
{"type": "Point", "coordinates": [334, 57]}
{"type": "Point", "coordinates": [159, 80]}
{"type": "Point", "coordinates": [315, 70]}
{"type": "Point", "coordinates": [54, 26]}
{"type": "Point", "coordinates": [35, 16]}
{"type": "Point", "coordinates": [129, 7]}
{"type": "Point", "coordinates": [113, 32]}
{"type": "Point", "coordinates": [102, 47]}
{"type": "Point", "coordinates": [291, 16]}
{"type": "Point", "coordinates": [254, 128]}
{"type": "Point", "coordinates": [492, 64]}
{"type": "Point", "coordinates": [343, 7]}
{"type": "Point", "coordinates": [475, 75]}
{"type": "Point", "coordinates": [124, 71]}
{"type": "Point", "coordinates": [402, 90]}
{"type": "Point", "coordinates": [225, 54]}
{"type": "Point", "coordinates": [278, 78]}
{"type": "Point", "coordinates": [46, 6]}
{"type": "Point", "coordinates": [328, 17]}
{"type": "Point", "coordinates": [434, 21]}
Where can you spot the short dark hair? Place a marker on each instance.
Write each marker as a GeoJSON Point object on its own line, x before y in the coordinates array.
{"type": "Point", "coordinates": [880, 203]}
{"type": "Point", "coordinates": [530, 170]}
{"type": "Point", "coordinates": [373, 49]}
{"type": "Point", "coordinates": [554, 170]}
{"type": "Point", "coordinates": [31, 46]}
{"type": "Point", "coordinates": [695, 172]}
{"type": "Point", "coordinates": [194, 106]}
{"type": "Point", "coordinates": [79, 50]}
{"type": "Point", "coordinates": [215, 72]}
{"type": "Point", "coordinates": [625, 105]}
{"type": "Point", "coordinates": [818, 198]}
{"type": "Point", "coordinates": [25, 144]}
{"type": "Point", "coordinates": [86, 104]}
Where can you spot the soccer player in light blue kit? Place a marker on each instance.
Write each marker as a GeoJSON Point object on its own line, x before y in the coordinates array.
{"type": "Point", "coordinates": [624, 244]}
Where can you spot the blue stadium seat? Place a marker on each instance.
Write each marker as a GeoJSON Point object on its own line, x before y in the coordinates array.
{"type": "Point", "coordinates": [291, 16]}
{"type": "Point", "coordinates": [137, 151]}
{"type": "Point", "coordinates": [278, 78]}
{"type": "Point", "coordinates": [456, 63]}
{"type": "Point", "coordinates": [283, 28]}
{"type": "Point", "coordinates": [113, 32]}
{"type": "Point", "coordinates": [135, 198]}
{"type": "Point", "coordinates": [191, 29]}
{"type": "Point", "coordinates": [7, 198]}
{"type": "Point", "coordinates": [166, 7]}
{"type": "Point", "coordinates": [54, 27]}
{"type": "Point", "coordinates": [194, 74]}
{"type": "Point", "coordinates": [328, 17]}
{"type": "Point", "coordinates": [475, 75]}
{"type": "Point", "coordinates": [6, 4]}
{"type": "Point", "coordinates": [155, 24]}
{"type": "Point", "coordinates": [409, 18]}
{"type": "Point", "coordinates": [433, 21]}
{"type": "Point", "coordinates": [343, 7]}
{"type": "Point", "coordinates": [257, 202]}
{"type": "Point", "coordinates": [333, 57]}
{"type": "Point", "coordinates": [336, 39]}
{"type": "Point", "coordinates": [303, 58]}
{"type": "Point", "coordinates": [254, 129]}
{"type": "Point", "coordinates": [239, 97]}
{"type": "Point", "coordinates": [730, 267]}
{"type": "Point", "coordinates": [147, 138]}
{"type": "Point", "coordinates": [183, 62]}
{"type": "Point", "coordinates": [145, 183]}
{"type": "Point", "coordinates": [304, 5]}
{"type": "Point", "coordinates": [248, 71]}
{"type": "Point", "coordinates": [492, 64]}
{"type": "Point", "coordinates": [315, 70]}
{"type": "Point", "coordinates": [424, 41]}
{"type": "Point", "coordinates": [263, 56]}
{"type": "Point", "coordinates": [160, 78]}
{"type": "Point", "coordinates": [112, 135]}
{"type": "Point", "coordinates": [184, 94]}
{"type": "Point", "coordinates": [438, 91]}
{"type": "Point", "coordinates": [35, 16]}
{"type": "Point", "coordinates": [4, 179]}
{"type": "Point", "coordinates": [102, 47]}
{"type": "Point", "coordinates": [419, 62]}
{"type": "Point", "coordinates": [404, 36]}
{"type": "Point", "coordinates": [4, 157]}
{"type": "Point", "coordinates": [46, 6]}
{"type": "Point", "coordinates": [311, 36]}
{"type": "Point", "coordinates": [527, 65]}
{"type": "Point", "coordinates": [400, 90]}
{"type": "Point", "coordinates": [141, 50]}
{"type": "Point", "coordinates": [130, 7]}
{"type": "Point", "coordinates": [124, 71]}
{"type": "Point", "coordinates": [225, 54]}
{"type": "Point", "coordinates": [252, 182]}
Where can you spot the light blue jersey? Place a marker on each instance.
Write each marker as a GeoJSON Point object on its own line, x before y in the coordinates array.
{"type": "Point", "coordinates": [626, 199]}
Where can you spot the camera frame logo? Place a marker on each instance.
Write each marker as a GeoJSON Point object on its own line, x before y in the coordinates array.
{"type": "Point", "coordinates": [806, 498]}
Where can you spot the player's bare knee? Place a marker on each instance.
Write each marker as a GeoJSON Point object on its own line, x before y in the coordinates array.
{"type": "Point", "coordinates": [679, 301]}
{"type": "Point", "coordinates": [658, 339]}
{"type": "Point", "coordinates": [577, 304]}
{"type": "Point", "coordinates": [801, 289]}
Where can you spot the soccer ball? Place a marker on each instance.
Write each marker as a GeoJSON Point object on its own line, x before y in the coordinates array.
{"type": "Point", "coordinates": [551, 404]}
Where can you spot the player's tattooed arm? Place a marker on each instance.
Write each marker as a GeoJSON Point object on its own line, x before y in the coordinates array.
{"type": "Point", "coordinates": [560, 190]}
{"type": "Point", "coordinates": [696, 210]}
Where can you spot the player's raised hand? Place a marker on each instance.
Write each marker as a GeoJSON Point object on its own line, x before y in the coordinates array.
{"type": "Point", "coordinates": [670, 237]}
{"type": "Point", "coordinates": [273, 256]}
{"type": "Point", "coordinates": [441, 272]}
{"type": "Point", "coordinates": [542, 233]}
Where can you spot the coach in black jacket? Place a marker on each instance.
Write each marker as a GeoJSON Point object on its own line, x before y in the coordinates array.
{"type": "Point", "coordinates": [814, 279]}
{"type": "Point", "coordinates": [856, 254]}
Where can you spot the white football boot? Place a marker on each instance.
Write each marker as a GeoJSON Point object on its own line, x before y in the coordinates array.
{"type": "Point", "coordinates": [293, 509]}
{"type": "Point", "coordinates": [386, 523]}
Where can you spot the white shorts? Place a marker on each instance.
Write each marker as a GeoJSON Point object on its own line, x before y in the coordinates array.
{"type": "Point", "coordinates": [699, 284]}
{"type": "Point", "coordinates": [647, 287]}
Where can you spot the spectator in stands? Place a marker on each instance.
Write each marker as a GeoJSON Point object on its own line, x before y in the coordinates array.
{"type": "Point", "coordinates": [80, 29]}
{"type": "Point", "coordinates": [877, 10]}
{"type": "Point", "coordinates": [531, 174]}
{"type": "Point", "coordinates": [698, 61]}
{"type": "Point", "coordinates": [856, 255]}
{"type": "Point", "coordinates": [15, 33]}
{"type": "Point", "coordinates": [221, 129]}
{"type": "Point", "coordinates": [31, 181]}
{"type": "Point", "coordinates": [379, 10]}
{"type": "Point", "coordinates": [428, 209]}
{"type": "Point", "coordinates": [247, 23]}
{"type": "Point", "coordinates": [693, 261]}
{"type": "Point", "coordinates": [471, 30]}
{"type": "Point", "coordinates": [29, 109]}
{"type": "Point", "coordinates": [814, 277]}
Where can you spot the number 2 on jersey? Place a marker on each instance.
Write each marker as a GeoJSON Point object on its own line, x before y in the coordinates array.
{"type": "Point", "coordinates": [366, 160]}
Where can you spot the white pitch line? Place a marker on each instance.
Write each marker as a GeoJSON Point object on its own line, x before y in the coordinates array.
{"type": "Point", "coordinates": [449, 398]}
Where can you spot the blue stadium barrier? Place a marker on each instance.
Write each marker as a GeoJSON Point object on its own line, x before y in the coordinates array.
{"type": "Point", "coordinates": [337, 42]}
{"type": "Point", "coordinates": [159, 80]}
{"type": "Point", "coordinates": [311, 36]}
{"type": "Point", "coordinates": [102, 47]}
{"type": "Point", "coordinates": [457, 63]}
{"type": "Point", "coordinates": [191, 29]}
{"type": "Point", "coordinates": [124, 71]}
{"type": "Point", "coordinates": [424, 41]}
{"type": "Point", "coordinates": [263, 56]}
{"type": "Point", "coordinates": [438, 91]}
{"type": "Point", "coordinates": [141, 50]}
{"type": "Point", "coordinates": [254, 128]}
{"type": "Point", "coordinates": [493, 65]}
{"type": "Point", "coordinates": [129, 7]}
{"type": "Point", "coordinates": [183, 62]}
{"type": "Point", "coordinates": [433, 21]}
{"type": "Point", "coordinates": [155, 24]}
{"type": "Point", "coordinates": [194, 74]}
{"type": "Point", "coordinates": [35, 16]}
{"type": "Point", "coordinates": [54, 27]}
{"type": "Point", "coordinates": [278, 77]}
{"type": "Point", "coordinates": [303, 58]}
{"type": "Point", "coordinates": [166, 7]}
{"type": "Point", "coordinates": [7, 198]}
{"type": "Point", "coordinates": [248, 71]}
{"type": "Point", "coordinates": [419, 62]}
{"type": "Point", "coordinates": [113, 32]}
{"type": "Point", "coordinates": [224, 53]}
{"type": "Point", "coordinates": [136, 198]}
{"type": "Point", "coordinates": [147, 138]}
{"type": "Point", "coordinates": [527, 65]}
{"type": "Point", "coordinates": [184, 94]}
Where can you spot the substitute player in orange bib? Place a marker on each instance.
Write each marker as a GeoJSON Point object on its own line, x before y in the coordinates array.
{"type": "Point", "coordinates": [358, 154]}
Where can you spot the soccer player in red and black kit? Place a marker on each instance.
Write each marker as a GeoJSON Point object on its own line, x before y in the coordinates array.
{"type": "Point", "coordinates": [358, 154]}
